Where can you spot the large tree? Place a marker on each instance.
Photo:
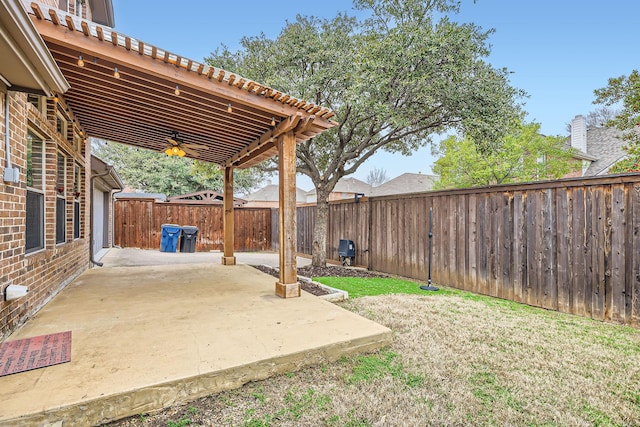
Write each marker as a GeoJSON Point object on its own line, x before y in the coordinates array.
{"type": "Point", "coordinates": [625, 90]}
{"type": "Point", "coordinates": [154, 172]}
{"type": "Point", "coordinates": [522, 155]}
{"type": "Point", "coordinates": [395, 79]}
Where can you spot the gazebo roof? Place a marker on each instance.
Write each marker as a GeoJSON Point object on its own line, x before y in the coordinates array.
{"type": "Point", "coordinates": [237, 121]}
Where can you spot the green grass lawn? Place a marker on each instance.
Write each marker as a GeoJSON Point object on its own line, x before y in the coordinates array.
{"type": "Point", "coordinates": [359, 286]}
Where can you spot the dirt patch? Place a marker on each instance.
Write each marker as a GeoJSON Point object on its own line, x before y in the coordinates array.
{"type": "Point", "coordinates": [312, 288]}
{"type": "Point", "coordinates": [337, 271]}
{"type": "Point", "coordinates": [328, 271]}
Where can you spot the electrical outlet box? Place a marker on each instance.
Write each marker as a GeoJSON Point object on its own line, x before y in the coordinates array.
{"type": "Point", "coordinates": [11, 174]}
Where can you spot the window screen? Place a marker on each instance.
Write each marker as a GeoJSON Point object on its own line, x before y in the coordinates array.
{"type": "Point", "coordinates": [35, 193]}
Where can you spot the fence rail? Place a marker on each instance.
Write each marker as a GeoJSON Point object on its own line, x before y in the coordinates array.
{"type": "Point", "coordinates": [137, 224]}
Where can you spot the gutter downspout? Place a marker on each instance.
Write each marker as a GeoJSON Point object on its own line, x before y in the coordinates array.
{"type": "Point", "coordinates": [93, 177]}
{"type": "Point", "coordinates": [113, 214]}
{"type": "Point", "coordinates": [7, 145]}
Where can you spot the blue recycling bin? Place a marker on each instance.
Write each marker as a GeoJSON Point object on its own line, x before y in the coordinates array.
{"type": "Point", "coordinates": [170, 237]}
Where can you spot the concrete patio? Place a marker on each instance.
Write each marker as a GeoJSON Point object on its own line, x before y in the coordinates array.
{"type": "Point", "coordinates": [153, 329]}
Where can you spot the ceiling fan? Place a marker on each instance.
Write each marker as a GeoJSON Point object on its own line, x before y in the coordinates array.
{"type": "Point", "coordinates": [177, 147]}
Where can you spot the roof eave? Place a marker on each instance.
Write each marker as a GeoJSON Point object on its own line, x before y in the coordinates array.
{"type": "Point", "coordinates": [99, 166]}
{"type": "Point", "coordinates": [19, 34]}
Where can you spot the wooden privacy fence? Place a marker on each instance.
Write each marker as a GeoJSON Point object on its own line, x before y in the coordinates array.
{"type": "Point", "coordinates": [570, 245]}
{"type": "Point", "coordinates": [138, 222]}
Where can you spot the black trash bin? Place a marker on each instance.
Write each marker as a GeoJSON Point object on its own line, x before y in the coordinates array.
{"type": "Point", "coordinates": [170, 237]}
{"type": "Point", "coordinates": [189, 236]}
{"type": "Point", "coordinates": [347, 252]}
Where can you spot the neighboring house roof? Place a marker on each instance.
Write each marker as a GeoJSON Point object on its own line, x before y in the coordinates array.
{"type": "Point", "coordinates": [270, 193]}
{"type": "Point", "coordinates": [27, 63]}
{"type": "Point", "coordinates": [406, 183]}
{"type": "Point", "coordinates": [106, 173]}
{"type": "Point", "coordinates": [601, 146]}
{"type": "Point", "coordinates": [157, 196]}
{"type": "Point", "coordinates": [348, 185]}
{"type": "Point", "coordinates": [206, 197]}
{"type": "Point", "coordinates": [606, 145]}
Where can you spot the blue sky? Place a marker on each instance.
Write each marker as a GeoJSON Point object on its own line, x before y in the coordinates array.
{"type": "Point", "coordinates": [558, 50]}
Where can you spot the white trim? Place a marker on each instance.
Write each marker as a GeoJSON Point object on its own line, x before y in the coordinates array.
{"type": "Point", "coordinates": [20, 34]}
{"type": "Point", "coordinates": [61, 196]}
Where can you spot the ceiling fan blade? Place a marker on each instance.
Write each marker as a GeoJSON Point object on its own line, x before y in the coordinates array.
{"type": "Point", "coordinates": [190, 152]}
{"type": "Point", "coordinates": [193, 145]}
{"type": "Point", "coordinates": [172, 141]}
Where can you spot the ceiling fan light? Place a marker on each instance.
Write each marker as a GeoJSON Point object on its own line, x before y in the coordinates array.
{"type": "Point", "coordinates": [181, 153]}
{"type": "Point", "coordinates": [169, 152]}
{"type": "Point", "coordinates": [80, 61]}
{"type": "Point", "coordinates": [175, 150]}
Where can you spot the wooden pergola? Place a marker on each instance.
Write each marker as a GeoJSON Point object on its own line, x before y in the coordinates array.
{"type": "Point", "coordinates": [130, 92]}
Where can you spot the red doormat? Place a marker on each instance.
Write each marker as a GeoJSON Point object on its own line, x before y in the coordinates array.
{"type": "Point", "coordinates": [33, 353]}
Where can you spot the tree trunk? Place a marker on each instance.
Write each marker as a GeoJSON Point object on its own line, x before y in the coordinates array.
{"type": "Point", "coordinates": [319, 258]}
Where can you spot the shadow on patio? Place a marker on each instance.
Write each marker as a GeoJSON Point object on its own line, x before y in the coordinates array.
{"type": "Point", "coordinates": [148, 336]}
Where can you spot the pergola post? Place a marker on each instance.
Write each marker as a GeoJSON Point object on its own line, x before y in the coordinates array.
{"type": "Point", "coordinates": [228, 258]}
{"type": "Point", "coordinates": [288, 285]}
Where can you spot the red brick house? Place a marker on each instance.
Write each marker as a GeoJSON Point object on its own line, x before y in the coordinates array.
{"type": "Point", "coordinates": [44, 214]}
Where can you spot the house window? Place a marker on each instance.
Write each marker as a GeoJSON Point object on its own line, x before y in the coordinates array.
{"type": "Point", "coordinates": [61, 125]}
{"type": "Point", "coordinates": [77, 142]}
{"type": "Point", "coordinates": [63, 5]}
{"type": "Point", "coordinates": [79, 8]}
{"type": "Point", "coordinates": [76, 201]}
{"type": "Point", "coordinates": [35, 193]}
{"type": "Point", "coordinates": [39, 102]}
{"type": "Point", "coordinates": [76, 219]}
{"type": "Point", "coordinates": [61, 208]}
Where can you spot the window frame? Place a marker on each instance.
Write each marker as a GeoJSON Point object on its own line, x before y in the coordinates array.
{"type": "Point", "coordinates": [40, 104]}
{"type": "Point", "coordinates": [40, 193]}
{"type": "Point", "coordinates": [62, 124]}
{"type": "Point", "coordinates": [77, 193]}
{"type": "Point", "coordinates": [61, 181]}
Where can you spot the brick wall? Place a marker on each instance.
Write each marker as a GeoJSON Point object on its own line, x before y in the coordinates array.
{"type": "Point", "coordinates": [49, 270]}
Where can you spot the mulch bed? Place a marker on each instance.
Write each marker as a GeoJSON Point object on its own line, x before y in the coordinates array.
{"type": "Point", "coordinates": [328, 271]}
{"type": "Point", "coordinates": [337, 271]}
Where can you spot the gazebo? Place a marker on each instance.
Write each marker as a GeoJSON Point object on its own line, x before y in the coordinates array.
{"type": "Point", "coordinates": [130, 92]}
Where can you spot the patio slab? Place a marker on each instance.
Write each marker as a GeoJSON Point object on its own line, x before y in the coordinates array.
{"type": "Point", "coordinates": [147, 337]}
